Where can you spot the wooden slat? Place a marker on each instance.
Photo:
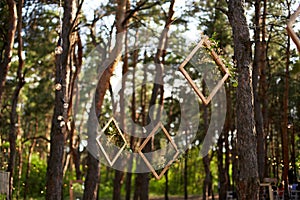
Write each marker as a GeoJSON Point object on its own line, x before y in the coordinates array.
{"type": "Point", "coordinates": [290, 30]}
{"type": "Point", "coordinates": [190, 56]}
{"type": "Point", "coordinates": [216, 58]}
{"type": "Point", "coordinates": [158, 176]}
{"type": "Point", "coordinates": [193, 85]}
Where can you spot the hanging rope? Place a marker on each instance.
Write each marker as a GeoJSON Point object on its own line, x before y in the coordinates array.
{"type": "Point", "coordinates": [59, 49]}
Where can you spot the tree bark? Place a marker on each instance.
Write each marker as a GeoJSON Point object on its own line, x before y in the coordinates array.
{"type": "Point", "coordinates": [223, 163]}
{"type": "Point", "coordinates": [263, 83]}
{"type": "Point", "coordinates": [259, 57]}
{"type": "Point", "coordinates": [28, 166]}
{"type": "Point", "coordinates": [62, 97]}
{"type": "Point", "coordinates": [285, 103]}
{"type": "Point", "coordinates": [167, 185]}
{"type": "Point", "coordinates": [119, 175]}
{"type": "Point", "coordinates": [143, 94]}
{"type": "Point", "coordinates": [185, 175]}
{"type": "Point", "coordinates": [157, 89]}
{"type": "Point", "coordinates": [14, 115]}
{"type": "Point", "coordinates": [207, 182]}
{"type": "Point", "coordinates": [247, 177]}
{"type": "Point", "coordinates": [93, 173]}
{"type": "Point", "coordinates": [74, 139]}
{"type": "Point", "coordinates": [8, 49]}
{"type": "Point", "coordinates": [133, 117]}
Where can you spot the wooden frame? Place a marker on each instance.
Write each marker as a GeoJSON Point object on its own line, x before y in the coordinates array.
{"type": "Point", "coordinates": [159, 125]}
{"type": "Point", "coordinates": [4, 183]}
{"type": "Point", "coordinates": [206, 43]}
{"type": "Point", "coordinates": [268, 185]}
{"type": "Point", "coordinates": [290, 30]}
{"type": "Point", "coordinates": [71, 187]}
{"type": "Point", "coordinates": [111, 162]}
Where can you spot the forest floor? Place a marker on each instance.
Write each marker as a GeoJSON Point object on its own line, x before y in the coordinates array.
{"type": "Point", "coordinates": [182, 198]}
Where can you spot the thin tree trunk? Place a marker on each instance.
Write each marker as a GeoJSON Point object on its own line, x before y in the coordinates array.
{"type": "Point", "coordinates": [230, 124]}
{"type": "Point", "coordinates": [28, 166]}
{"type": "Point", "coordinates": [285, 136]}
{"type": "Point", "coordinates": [20, 155]}
{"type": "Point", "coordinates": [247, 177]}
{"type": "Point", "coordinates": [133, 117]}
{"type": "Point", "coordinates": [207, 182]}
{"type": "Point", "coordinates": [257, 65]}
{"type": "Point", "coordinates": [223, 163]}
{"type": "Point", "coordinates": [167, 185]}
{"type": "Point", "coordinates": [185, 175]}
{"type": "Point", "coordinates": [157, 89]}
{"type": "Point", "coordinates": [118, 180]}
{"type": "Point", "coordinates": [93, 172]}
{"type": "Point", "coordinates": [143, 94]}
{"type": "Point", "coordinates": [119, 175]}
{"type": "Point", "coordinates": [263, 84]}
{"type": "Point", "coordinates": [8, 49]}
{"type": "Point", "coordinates": [14, 115]}
{"type": "Point", "coordinates": [74, 139]}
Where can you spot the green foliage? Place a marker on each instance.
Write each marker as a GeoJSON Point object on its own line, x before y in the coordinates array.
{"type": "Point", "coordinates": [36, 180]}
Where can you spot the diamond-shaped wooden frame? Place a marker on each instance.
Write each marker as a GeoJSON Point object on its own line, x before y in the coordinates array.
{"type": "Point", "coordinates": [290, 30]}
{"type": "Point", "coordinates": [111, 162]}
{"type": "Point", "coordinates": [205, 43]}
{"type": "Point", "coordinates": [159, 125]}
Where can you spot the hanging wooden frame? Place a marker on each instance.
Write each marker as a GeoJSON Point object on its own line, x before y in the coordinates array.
{"type": "Point", "coordinates": [290, 30]}
{"type": "Point", "coordinates": [158, 176]}
{"type": "Point", "coordinates": [112, 161]}
{"type": "Point", "coordinates": [205, 43]}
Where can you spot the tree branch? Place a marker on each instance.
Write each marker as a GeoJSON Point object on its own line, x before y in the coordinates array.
{"type": "Point", "coordinates": [138, 8]}
{"type": "Point", "coordinates": [76, 16]}
{"type": "Point", "coordinates": [36, 138]}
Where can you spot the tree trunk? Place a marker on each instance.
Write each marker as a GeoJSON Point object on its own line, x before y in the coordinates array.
{"type": "Point", "coordinates": [20, 167]}
{"type": "Point", "coordinates": [118, 180]}
{"type": "Point", "coordinates": [185, 175]}
{"type": "Point", "coordinates": [93, 173]}
{"type": "Point", "coordinates": [138, 186]}
{"type": "Point", "coordinates": [223, 163]}
{"type": "Point", "coordinates": [285, 137]}
{"type": "Point", "coordinates": [157, 89]}
{"type": "Point", "coordinates": [119, 175]}
{"type": "Point", "coordinates": [28, 167]}
{"type": "Point", "coordinates": [257, 66]}
{"type": "Point", "coordinates": [207, 182]}
{"type": "Point", "coordinates": [8, 48]}
{"type": "Point", "coordinates": [14, 115]}
{"type": "Point", "coordinates": [263, 84]}
{"type": "Point", "coordinates": [72, 110]}
{"type": "Point", "coordinates": [223, 182]}
{"type": "Point", "coordinates": [167, 185]}
{"type": "Point", "coordinates": [247, 177]}
{"type": "Point", "coordinates": [133, 116]}
{"type": "Point", "coordinates": [62, 97]}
